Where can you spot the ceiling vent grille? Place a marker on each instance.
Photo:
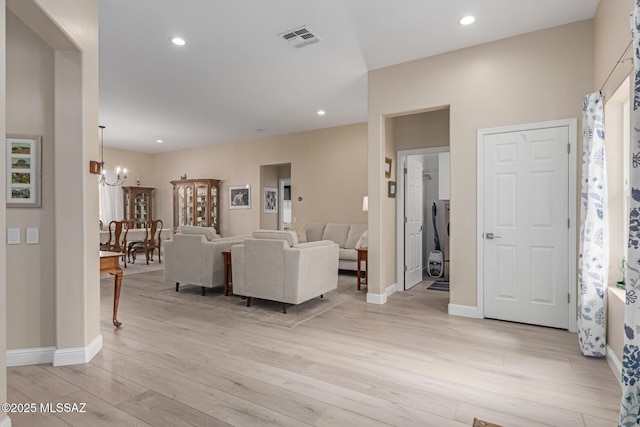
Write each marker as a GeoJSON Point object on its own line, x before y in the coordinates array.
{"type": "Point", "coordinates": [300, 37]}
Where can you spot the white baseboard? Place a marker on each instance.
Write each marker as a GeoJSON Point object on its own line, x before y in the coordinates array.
{"type": "Point", "coordinates": [391, 289]}
{"type": "Point", "coordinates": [30, 356]}
{"type": "Point", "coordinates": [381, 298]}
{"type": "Point", "coordinates": [79, 355]}
{"type": "Point", "coordinates": [376, 298]}
{"type": "Point", "coordinates": [614, 364]}
{"type": "Point", "coordinates": [463, 310]}
{"type": "Point", "coordinates": [6, 422]}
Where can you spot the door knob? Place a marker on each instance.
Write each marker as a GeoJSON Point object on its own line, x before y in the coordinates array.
{"type": "Point", "coordinates": [490, 236]}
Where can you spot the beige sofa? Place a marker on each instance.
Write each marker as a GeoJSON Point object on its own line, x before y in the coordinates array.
{"type": "Point", "coordinates": [272, 265]}
{"type": "Point", "coordinates": [194, 257]}
{"type": "Point", "coordinates": [346, 236]}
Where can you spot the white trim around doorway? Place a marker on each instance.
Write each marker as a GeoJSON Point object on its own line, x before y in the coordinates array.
{"type": "Point", "coordinates": [573, 182]}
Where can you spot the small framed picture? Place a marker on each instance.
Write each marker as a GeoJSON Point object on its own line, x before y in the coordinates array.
{"type": "Point", "coordinates": [270, 200]}
{"type": "Point", "coordinates": [24, 173]}
{"type": "Point", "coordinates": [240, 196]}
{"type": "Point", "coordinates": [392, 189]}
{"type": "Point", "coordinates": [387, 167]}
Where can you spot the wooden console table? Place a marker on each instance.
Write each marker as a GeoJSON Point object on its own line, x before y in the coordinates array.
{"type": "Point", "coordinates": [110, 263]}
{"type": "Point", "coordinates": [363, 256]}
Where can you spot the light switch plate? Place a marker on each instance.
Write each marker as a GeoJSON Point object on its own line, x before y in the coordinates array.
{"type": "Point", "coordinates": [13, 236]}
{"type": "Point", "coordinates": [33, 236]}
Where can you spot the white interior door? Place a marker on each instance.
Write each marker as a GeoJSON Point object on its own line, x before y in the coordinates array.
{"type": "Point", "coordinates": [526, 231]}
{"type": "Point", "coordinates": [414, 222]}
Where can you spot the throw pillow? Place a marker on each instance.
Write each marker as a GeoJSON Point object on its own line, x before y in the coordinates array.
{"type": "Point", "coordinates": [300, 232]}
{"type": "Point", "coordinates": [363, 242]}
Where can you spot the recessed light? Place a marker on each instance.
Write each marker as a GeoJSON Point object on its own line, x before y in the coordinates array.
{"type": "Point", "coordinates": [321, 112]}
{"type": "Point", "coordinates": [159, 141]}
{"type": "Point", "coordinates": [467, 20]}
{"type": "Point", "coordinates": [178, 41]}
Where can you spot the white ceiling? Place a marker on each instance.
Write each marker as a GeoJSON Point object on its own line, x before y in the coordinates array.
{"type": "Point", "coordinates": [236, 79]}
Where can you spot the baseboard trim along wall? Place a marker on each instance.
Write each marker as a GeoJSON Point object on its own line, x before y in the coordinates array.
{"type": "Point", "coordinates": [79, 355]}
{"type": "Point", "coordinates": [66, 356]}
{"type": "Point", "coordinates": [381, 298]}
{"type": "Point", "coordinates": [30, 356]}
{"type": "Point", "coordinates": [463, 310]}
{"type": "Point", "coordinates": [6, 422]}
{"type": "Point", "coordinates": [614, 364]}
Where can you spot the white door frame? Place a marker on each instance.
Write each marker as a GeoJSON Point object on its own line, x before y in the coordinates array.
{"type": "Point", "coordinates": [282, 182]}
{"type": "Point", "coordinates": [573, 182]}
{"type": "Point", "coordinates": [401, 159]}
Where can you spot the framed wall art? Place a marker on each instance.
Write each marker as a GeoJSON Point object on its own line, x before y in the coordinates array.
{"type": "Point", "coordinates": [387, 167]}
{"type": "Point", "coordinates": [392, 189]}
{"type": "Point", "coordinates": [270, 200]}
{"type": "Point", "coordinates": [24, 171]}
{"type": "Point", "coordinates": [240, 197]}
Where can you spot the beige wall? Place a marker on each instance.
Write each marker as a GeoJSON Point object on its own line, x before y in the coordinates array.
{"type": "Point", "coordinates": [530, 78]}
{"type": "Point", "coordinates": [422, 130]}
{"type": "Point", "coordinates": [389, 205]}
{"type": "Point", "coordinates": [31, 268]}
{"type": "Point", "coordinates": [53, 91]}
{"type": "Point", "coordinates": [139, 165]}
{"type": "Point", "coordinates": [328, 170]}
{"type": "Point", "coordinates": [612, 36]}
{"type": "Point", "coordinates": [3, 214]}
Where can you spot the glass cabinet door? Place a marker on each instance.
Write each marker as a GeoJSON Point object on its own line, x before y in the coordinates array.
{"type": "Point", "coordinates": [127, 201]}
{"type": "Point", "coordinates": [214, 208]}
{"type": "Point", "coordinates": [201, 205]}
{"type": "Point", "coordinates": [181, 206]}
{"type": "Point", "coordinates": [189, 202]}
{"type": "Point", "coordinates": [141, 209]}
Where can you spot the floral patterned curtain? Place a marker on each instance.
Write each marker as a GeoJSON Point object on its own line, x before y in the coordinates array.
{"type": "Point", "coordinates": [630, 405]}
{"type": "Point", "coordinates": [594, 233]}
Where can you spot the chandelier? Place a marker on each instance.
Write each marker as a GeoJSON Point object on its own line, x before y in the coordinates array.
{"type": "Point", "coordinates": [103, 177]}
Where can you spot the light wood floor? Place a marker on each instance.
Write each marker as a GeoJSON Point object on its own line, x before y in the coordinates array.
{"type": "Point", "coordinates": [405, 363]}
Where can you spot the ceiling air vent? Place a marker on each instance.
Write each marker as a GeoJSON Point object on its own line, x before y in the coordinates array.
{"type": "Point", "coordinates": [300, 37]}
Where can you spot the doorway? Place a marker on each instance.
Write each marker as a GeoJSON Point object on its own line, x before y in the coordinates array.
{"type": "Point", "coordinates": [285, 203]}
{"type": "Point", "coordinates": [418, 189]}
{"type": "Point", "coordinates": [526, 223]}
{"type": "Point", "coordinates": [271, 178]}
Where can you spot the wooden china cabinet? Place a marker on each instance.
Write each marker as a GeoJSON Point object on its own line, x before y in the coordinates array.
{"type": "Point", "coordinates": [196, 202]}
{"type": "Point", "coordinates": [138, 204]}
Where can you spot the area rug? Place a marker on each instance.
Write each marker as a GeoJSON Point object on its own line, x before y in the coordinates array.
{"type": "Point", "coordinates": [439, 285]}
{"type": "Point", "coordinates": [140, 266]}
{"type": "Point", "coordinates": [260, 310]}
{"type": "Point", "coordinates": [480, 423]}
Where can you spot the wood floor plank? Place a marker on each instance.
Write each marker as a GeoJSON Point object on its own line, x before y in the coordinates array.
{"type": "Point", "coordinates": [303, 408]}
{"type": "Point", "coordinates": [102, 384]}
{"type": "Point", "coordinates": [209, 400]}
{"type": "Point", "coordinates": [158, 410]}
{"type": "Point", "coordinates": [406, 362]}
{"type": "Point", "coordinates": [32, 419]}
{"type": "Point", "coordinates": [38, 384]}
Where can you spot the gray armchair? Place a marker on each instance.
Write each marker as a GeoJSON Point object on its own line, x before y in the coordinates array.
{"type": "Point", "coordinates": [194, 257]}
{"type": "Point", "coordinates": [273, 266]}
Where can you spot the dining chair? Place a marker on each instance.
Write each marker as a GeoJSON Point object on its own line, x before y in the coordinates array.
{"type": "Point", "coordinates": [117, 239]}
{"type": "Point", "coordinates": [152, 241]}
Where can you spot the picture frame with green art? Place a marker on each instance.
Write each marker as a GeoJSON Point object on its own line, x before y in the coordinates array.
{"type": "Point", "coordinates": [24, 171]}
